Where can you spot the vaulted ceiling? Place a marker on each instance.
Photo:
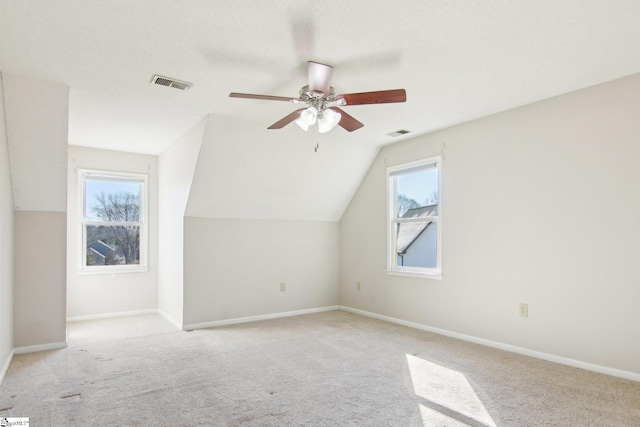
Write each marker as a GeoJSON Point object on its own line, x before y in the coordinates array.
{"type": "Point", "coordinates": [458, 60]}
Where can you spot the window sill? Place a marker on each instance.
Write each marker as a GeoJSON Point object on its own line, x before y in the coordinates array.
{"type": "Point", "coordinates": [416, 274]}
{"type": "Point", "coordinates": [112, 270]}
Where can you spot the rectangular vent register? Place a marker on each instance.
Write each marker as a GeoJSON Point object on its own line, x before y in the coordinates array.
{"type": "Point", "coordinates": [169, 82]}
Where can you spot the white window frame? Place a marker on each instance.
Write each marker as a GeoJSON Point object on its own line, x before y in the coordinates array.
{"type": "Point", "coordinates": [143, 222]}
{"type": "Point", "coordinates": [392, 197]}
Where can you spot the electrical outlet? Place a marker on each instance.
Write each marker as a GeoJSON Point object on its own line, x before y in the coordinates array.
{"type": "Point", "coordinates": [359, 285]}
{"type": "Point", "coordinates": [524, 310]}
{"type": "Point", "coordinates": [283, 287]}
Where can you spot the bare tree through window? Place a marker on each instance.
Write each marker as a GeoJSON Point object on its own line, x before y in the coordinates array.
{"type": "Point", "coordinates": [120, 207]}
{"type": "Point", "coordinates": [113, 220]}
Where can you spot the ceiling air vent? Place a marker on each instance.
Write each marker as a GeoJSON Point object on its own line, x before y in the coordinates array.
{"type": "Point", "coordinates": [399, 133]}
{"type": "Point", "coordinates": [169, 82]}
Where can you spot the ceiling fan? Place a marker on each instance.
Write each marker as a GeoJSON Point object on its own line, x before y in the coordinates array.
{"type": "Point", "coordinates": [323, 104]}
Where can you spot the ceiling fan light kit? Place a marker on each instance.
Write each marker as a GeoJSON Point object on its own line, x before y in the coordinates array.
{"type": "Point", "coordinates": [307, 118]}
{"type": "Point", "coordinates": [323, 103]}
{"type": "Point", "coordinates": [330, 118]}
{"type": "Point", "coordinates": [326, 120]}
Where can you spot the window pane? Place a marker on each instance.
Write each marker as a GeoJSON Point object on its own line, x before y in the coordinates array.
{"type": "Point", "coordinates": [417, 189]}
{"type": "Point", "coordinates": [414, 219]}
{"type": "Point", "coordinates": [112, 245]}
{"type": "Point", "coordinates": [112, 200]}
{"type": "Point", "coordinates": [416, 244]}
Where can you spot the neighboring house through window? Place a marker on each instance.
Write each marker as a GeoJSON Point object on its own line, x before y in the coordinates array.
{"type": "Point", "coordinates": [414, 222]}
{"type": "Point", "coordinates": [113, 212]}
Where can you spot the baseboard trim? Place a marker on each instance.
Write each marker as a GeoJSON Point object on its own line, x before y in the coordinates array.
{"type": "Point", "coordinates": [215, 323]}
{"type": "Point", "coordinates": [5, 367]}
{"type": "Point", "coordinates": [40, 347]}
{"type": "Point", "coordinates": [170, 319]}
{"type": "Point", "coordinates": [502, 346]}
{"type": "Point", "coordinates": [110, 315]}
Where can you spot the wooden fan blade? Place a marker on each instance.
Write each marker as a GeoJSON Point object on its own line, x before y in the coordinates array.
{"type": "Point", "coordinates": [379, 97]}
{"type": "Point", "coordinates": [347, 122]}
{"type": "Point", "coordinates": [319, 77]}
{"type": "Point", "coordinates": [286, 119]}
{"type": "Point", "coordinates": [264, 97]}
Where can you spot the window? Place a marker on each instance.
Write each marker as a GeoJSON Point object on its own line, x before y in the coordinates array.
{"type": "Point", "coordinates": [414, 223]}
{"type": "Point", "coordinates": [113, 212]}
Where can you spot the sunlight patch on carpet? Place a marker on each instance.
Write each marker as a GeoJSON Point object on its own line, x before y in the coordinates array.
{"type": "Point", "coordinates": [448, 396]}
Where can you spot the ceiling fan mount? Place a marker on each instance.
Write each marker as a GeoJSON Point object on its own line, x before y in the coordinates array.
{"type": "Point", "coordinates": [322, 102]}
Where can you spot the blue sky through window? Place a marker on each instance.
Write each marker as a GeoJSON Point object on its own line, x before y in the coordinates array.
{"type": "Point", "coordinates": [95, 187]}
{"type": "Point", "coordinates": [419, 186]}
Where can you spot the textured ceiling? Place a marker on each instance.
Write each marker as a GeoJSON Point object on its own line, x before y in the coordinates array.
{"type": "Point", "coordinates": [458, 60]}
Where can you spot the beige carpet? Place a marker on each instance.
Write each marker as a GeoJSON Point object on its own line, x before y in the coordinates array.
{"type": "Point", "coordinates": [326, 369]}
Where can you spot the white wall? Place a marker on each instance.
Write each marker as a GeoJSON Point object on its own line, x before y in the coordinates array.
{"type": "Point", "coordinates": [176, 168]}
{"type": "Point", "coordinates": [540, 205]}
{"type": "Point", "coordinates": [6, 247]}
{"type": "Point", "coordinates": [233, 268]}
{"type": "Point", "coordinates": [39, 272]}
{"type": "Point", "coordinates": [37, 116]}
{"type": "Point", "coordinates": [92, 294]}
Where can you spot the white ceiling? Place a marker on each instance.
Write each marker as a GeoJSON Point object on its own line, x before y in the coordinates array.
{"type": "Point", "coordinates": [458, 60]}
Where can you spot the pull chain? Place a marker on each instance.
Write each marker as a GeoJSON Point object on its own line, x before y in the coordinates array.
{"type": "Point", "coordinates": [315, 136]}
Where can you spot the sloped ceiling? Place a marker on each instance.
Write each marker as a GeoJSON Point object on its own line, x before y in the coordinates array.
{"type": "Point", "coordinates": [274, 178]}
{"type": "Point", "coordinates": [36, 117]}
{"type": "Point", "coordinates": [458, 60]}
